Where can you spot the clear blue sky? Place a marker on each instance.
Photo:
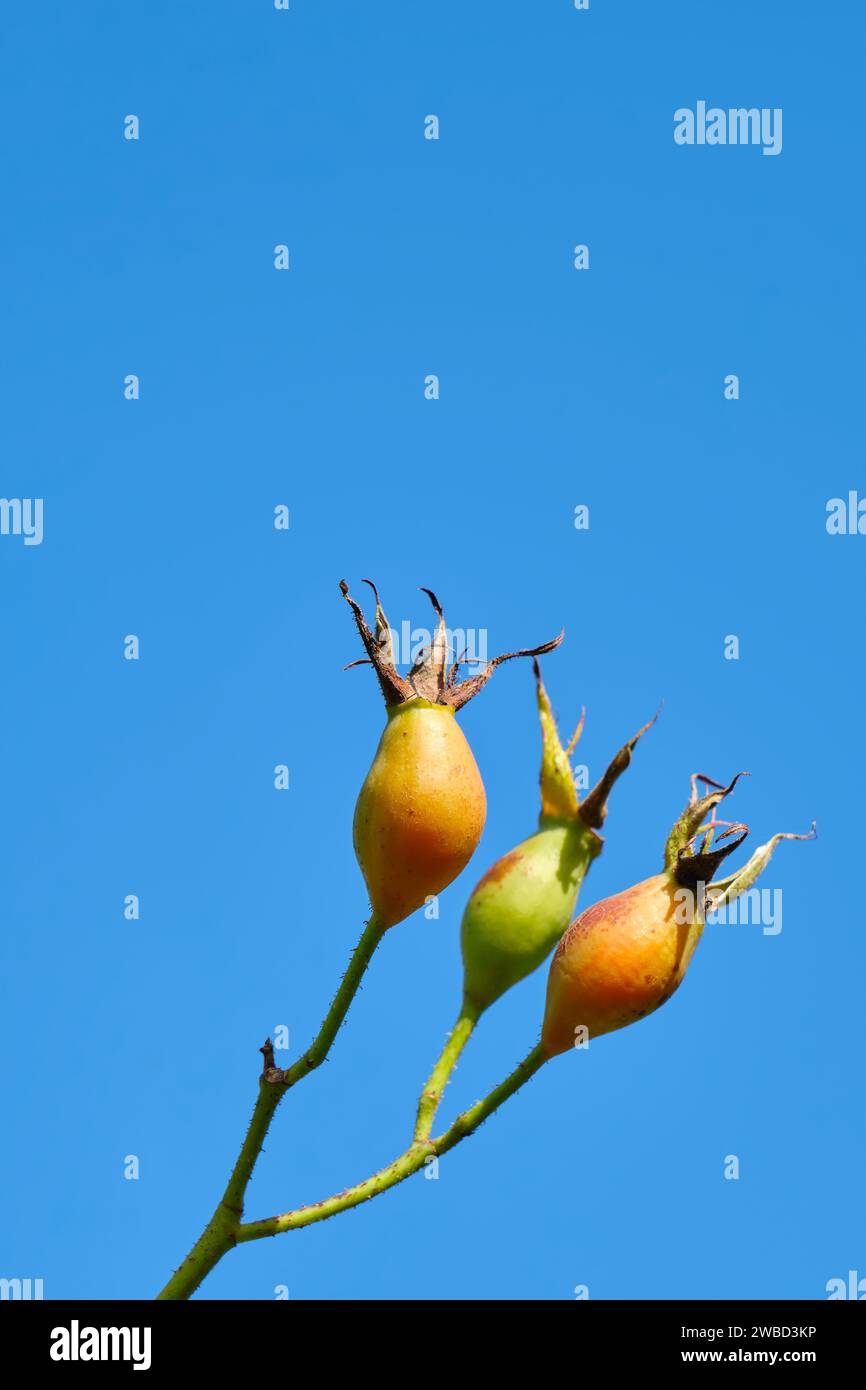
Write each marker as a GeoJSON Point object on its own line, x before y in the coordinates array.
{"type": "Point", "coordinates": [305, 387]}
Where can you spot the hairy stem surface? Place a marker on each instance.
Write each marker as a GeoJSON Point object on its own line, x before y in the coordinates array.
{"type": "Point", "coordinates": [431, 1096]}
{"type": "Point", "coordinates": [419, 1152]}
{"type": "Point", "coordinates": [221, 1232]}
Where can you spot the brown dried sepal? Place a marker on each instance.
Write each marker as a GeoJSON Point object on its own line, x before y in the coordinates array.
{"type": "Point", "coordinates": [429, 678]}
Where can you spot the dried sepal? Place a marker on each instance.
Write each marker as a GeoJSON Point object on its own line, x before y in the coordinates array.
{"type": "Point", "coordinates": [394, 688]}
{"type": "Point", "coordinates": [428, 678]}
{"type": "Point", "coordinates": [593, 808]}
{"type": "Point", "coordinates": [383, 629]}
{"type": "Point", "coordinates": [696, 866]}
{"type": "Point", "coordinates": [725, 890]}
{"type": "Point", "coordinates": [689, 824]}
{"type": "Point", "coordinates": [461, 694]}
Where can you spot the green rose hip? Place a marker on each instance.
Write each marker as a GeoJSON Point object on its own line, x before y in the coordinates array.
{"type": "Point", "coordinates": [523, 904]}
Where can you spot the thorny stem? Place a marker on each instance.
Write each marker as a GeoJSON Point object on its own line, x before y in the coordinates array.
{"type": "Point", "coordinates": [431, 1097]}
{"type": "Point", "coordinates": [361, 957]}
{"type": "Point", "coordinates": [420, 1152]}
{"type": "Point", "coordinates": [221, 1232]}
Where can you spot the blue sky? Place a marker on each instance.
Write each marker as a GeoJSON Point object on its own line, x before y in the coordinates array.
{"type": "Point", "coordinates": [558, 388]}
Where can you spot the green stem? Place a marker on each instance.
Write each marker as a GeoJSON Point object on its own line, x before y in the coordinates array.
{"type": "Point", "coordinates": [218, 1235]}
{"type": "Point", "coordinates": [415, 1157]}
{"type": "Point", "coordinates": [221, 1232]}
{"type": "Point", "coordinates": [431, 1096]}
{"type": "Point", "coordinates": [361, 957]}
